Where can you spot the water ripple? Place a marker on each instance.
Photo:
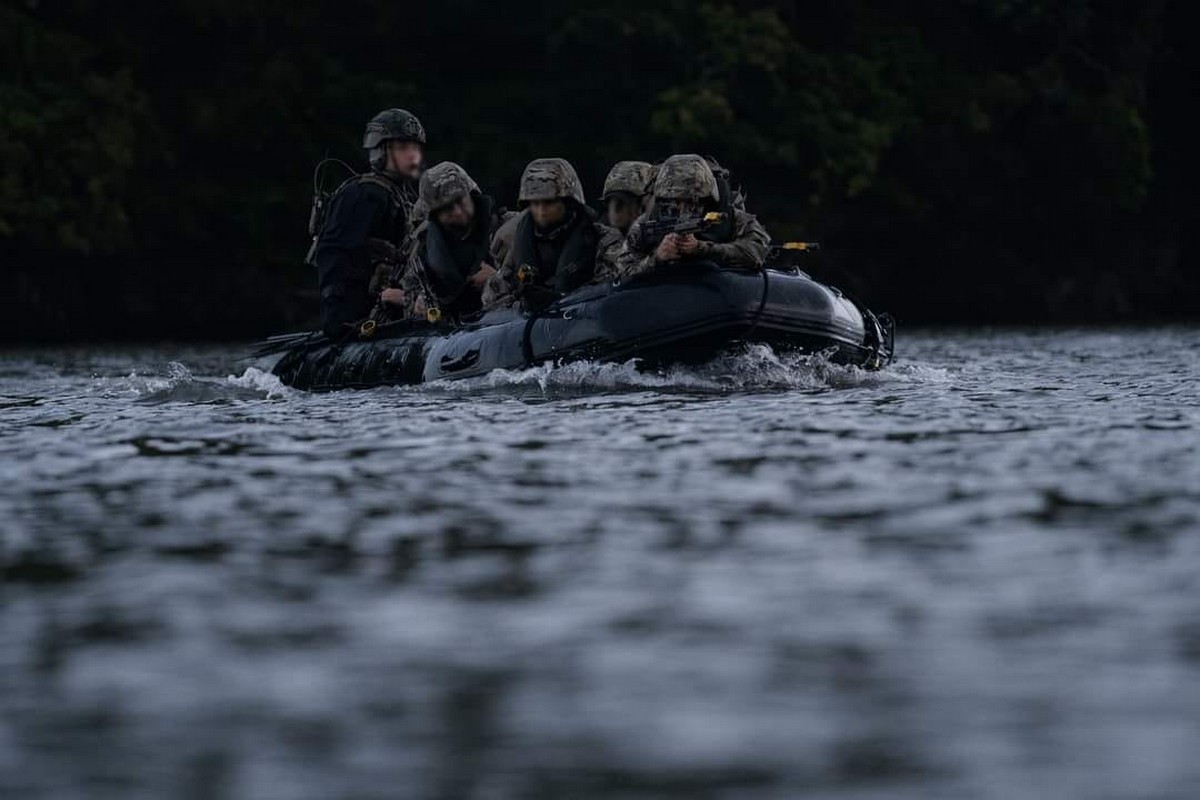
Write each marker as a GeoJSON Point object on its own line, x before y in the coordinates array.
{"type": "Point", "coordinates": [766, 576]}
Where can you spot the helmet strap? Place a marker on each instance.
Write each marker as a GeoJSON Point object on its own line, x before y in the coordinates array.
{"type": "Point", "coordinates": [377, 157]}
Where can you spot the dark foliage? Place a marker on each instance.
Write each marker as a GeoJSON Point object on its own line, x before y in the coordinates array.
{"type": "Point", "coordinates": [968, 161]}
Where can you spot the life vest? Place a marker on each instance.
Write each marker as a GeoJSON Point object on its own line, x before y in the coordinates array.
{"type": "Point", "coordinates": [576, 262]}
{"type": "Point", "coordinates": [449, 273]}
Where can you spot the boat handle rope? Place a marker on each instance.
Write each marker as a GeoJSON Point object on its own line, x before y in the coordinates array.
{"type": "Point", "coordinates": [527, 334]}
{"type": "Point", "coordinates": [762, 302]}
{"type": "Point", "coordinates": [567, 313]}
{"type": "Point", "coordinates": [526, 340]}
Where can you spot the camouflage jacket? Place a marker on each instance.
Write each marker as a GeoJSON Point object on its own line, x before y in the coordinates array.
{"type": "Point", "coordinates": [748, 247]}
{"type": "Point", "coordinates": [502, 240]}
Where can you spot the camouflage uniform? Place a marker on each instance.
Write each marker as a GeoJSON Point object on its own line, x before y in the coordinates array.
{"type": "Point", "coordinates": [506, 234]}
{"type": "Point", "coordinates": [576, 252]}
{"type": "Point", "coordinates": [446, 259]}
{"type": "Point", "coordinates": [740, 242]}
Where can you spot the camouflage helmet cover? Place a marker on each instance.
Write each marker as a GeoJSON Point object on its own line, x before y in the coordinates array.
{"type": "Point", "coordinates": [550, 179]}
{"type": "Point", "coordinates": [393, 123]}
{"type": "Point", "coordinates": [634, 177]}
{"type": "Point", "coordinates": [444, 183]}
{"type": "Point", "coordinates": [686, 177]}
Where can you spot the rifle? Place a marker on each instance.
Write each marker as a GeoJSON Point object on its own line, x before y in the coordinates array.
{"type": "Point", "coordinates": [399, 258]}
{"type": "Point", "coordinates": [656, 229]}
{"type": "Point", "coordinates": [778, 250]}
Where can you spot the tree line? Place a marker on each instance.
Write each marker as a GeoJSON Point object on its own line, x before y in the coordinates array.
{"type": "Point", "coordinates": [966, 161]}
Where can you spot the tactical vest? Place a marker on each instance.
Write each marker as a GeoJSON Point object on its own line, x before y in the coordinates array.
{"type": "Point", "coordinates": [401, 207]}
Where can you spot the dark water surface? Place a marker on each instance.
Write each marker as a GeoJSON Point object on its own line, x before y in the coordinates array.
{"type": "Point", "coordinates": [976, 574]}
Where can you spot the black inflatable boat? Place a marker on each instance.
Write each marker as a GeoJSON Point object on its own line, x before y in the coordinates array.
{"type": "Point", "coordinates": [684, 315]}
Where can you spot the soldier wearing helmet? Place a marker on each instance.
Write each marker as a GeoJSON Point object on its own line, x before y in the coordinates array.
{"type": "Point", "coordinates": [454, 259]}
{"type": "Point", "coordinates": [369, 220]}
{"type": "Point", "coordinates": [626, 190]}
{"type": "Point", "coordinates": [557, 244]}
{"type": "Point", "coordinates": [687, 187]}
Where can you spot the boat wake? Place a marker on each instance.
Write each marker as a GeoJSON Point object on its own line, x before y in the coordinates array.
{"type": "Point", "coordinates": [177, 384]}
{"type": "Point", "coordinates": [754, 367]}
{"type": "Point", "coordinates": [750, 368]}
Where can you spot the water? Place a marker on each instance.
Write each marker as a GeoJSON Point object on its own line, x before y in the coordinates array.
{"type": "Point", "coordinates": [975, 574]}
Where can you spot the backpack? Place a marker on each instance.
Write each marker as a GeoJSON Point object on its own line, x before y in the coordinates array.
{"type": "Point", "coordinates": [322, 197]}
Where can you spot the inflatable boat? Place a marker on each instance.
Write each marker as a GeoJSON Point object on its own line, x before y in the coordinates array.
{"type": "Point", "coordinates": [681, 315]}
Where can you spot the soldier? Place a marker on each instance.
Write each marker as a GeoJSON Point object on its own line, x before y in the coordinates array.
{"type": "Point", "coordinates": [626, 191]}
{"type": "Point", "coordinates": [369, 220]}
{"type": "Point", "coordinates": [686, 188]}
{"type": "Point", "coordinates": [557, 244]}
{"type": "Point", "coordinates": [454, 260]}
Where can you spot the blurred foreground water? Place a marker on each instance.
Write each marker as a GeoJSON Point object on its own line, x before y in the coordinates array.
{"type": "Point", "coordinates": [976, 573]}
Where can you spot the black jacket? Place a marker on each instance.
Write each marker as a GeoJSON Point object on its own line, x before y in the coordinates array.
{"type": "Point", "coordinates": [370, 208]}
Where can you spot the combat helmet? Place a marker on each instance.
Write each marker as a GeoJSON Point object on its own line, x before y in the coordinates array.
{"type": "Point", "coordinates": [444, 183]}
{"type": "Point", "coordinates": [686, 177]}
{"type": "Point", "coordinates": [392, 124]}
{"type": "Point", "coordinates": [634, 177]}
{"type": "Point", "coordinates": [550, 179]}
